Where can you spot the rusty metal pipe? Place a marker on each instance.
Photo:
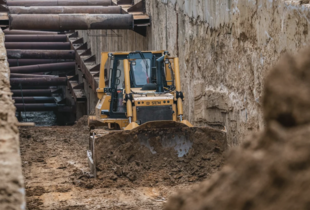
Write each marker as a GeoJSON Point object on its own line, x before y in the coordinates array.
{"type": "Point", "coordinates": [36, 107]}
{"type": "Point", "coordinates": [36, 38]}
{"type": "Point", "coordinates": [65, 66]}
{"type": "Point", "coordinates": [24, 62]}
{"type": "Point", "coordinates": [16, 75]}
{"type": "Point", "coordinates": [17, 87]}
{"type": "Point", "coordinates": [41, 54]}
{"type": "Point", "coordinates": [32, 92]}
{"type": "Point", "coordinates": [34, 99]}
{"type": "Point", "coordinates": [53, 81]}
{"type": "Point", "coordinates": [66, 10]}
{"type": "Point", "coordinates": [29, 3]}
{"type": "Point", "coordinates": [72, 21]}
{"type": "Point", "coordinates": [38, 45]}
{"type": "Point", "coordinates": [8, 31]}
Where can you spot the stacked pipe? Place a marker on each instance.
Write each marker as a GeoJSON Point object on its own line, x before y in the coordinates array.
{"type": "Point", "coordinates": [38, 49]}
{"type": "Point", "coordinates": [37, 59]}
{"type": "Point", "coordinates": [67, 15]}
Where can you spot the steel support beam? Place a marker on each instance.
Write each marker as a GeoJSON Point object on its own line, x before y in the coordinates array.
{"type": "Point", "coordinates": [41, 54]}
{"type": "Point", "coordinates": [29, 3]}
{"type": "Point", "coordinates": [24, 62]}
{"type": "Point", "coordinates": [64, 66]}
{"type": "Point", "coordinates": [66, 10]}
{"type": "Point", "coordinates": [125, 2]}
{"type": "Point", "coordinates": [53, 81]}
{"type": "Point", "coordinates": [36, 38]}
{"type": "Point", "coordinates": [38, 45]}
{"type": "Point", "coordinates": [34, 99]}
{"type": "Point", "coordinates": [71, 21]}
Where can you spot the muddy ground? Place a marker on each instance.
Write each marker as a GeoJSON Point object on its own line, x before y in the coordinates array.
{"type": "Point", "coordinates": [57, 176]}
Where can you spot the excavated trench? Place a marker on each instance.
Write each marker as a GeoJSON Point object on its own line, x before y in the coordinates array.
{"type": "Point", "coordinates": [269, 171]}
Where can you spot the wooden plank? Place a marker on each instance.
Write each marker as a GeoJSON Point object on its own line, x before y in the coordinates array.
{"type": "Point", "coordinates": [26, 124]}
{"type": "Point", "coordinates": [4, 16]}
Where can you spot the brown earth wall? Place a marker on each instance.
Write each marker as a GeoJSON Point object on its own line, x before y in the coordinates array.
{"type": "Point", "coordinates": [12, 191]}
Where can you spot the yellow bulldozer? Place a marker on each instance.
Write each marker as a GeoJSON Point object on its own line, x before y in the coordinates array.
{"type": "Point", "coordinates": [139, 94]}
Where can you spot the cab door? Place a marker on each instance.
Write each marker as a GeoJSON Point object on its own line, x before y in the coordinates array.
{"type": "Point", "coordinates": [117, 85]}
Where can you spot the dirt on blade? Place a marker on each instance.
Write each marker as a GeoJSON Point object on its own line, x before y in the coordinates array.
{"type": "Point", "coordinates": [146, 157]}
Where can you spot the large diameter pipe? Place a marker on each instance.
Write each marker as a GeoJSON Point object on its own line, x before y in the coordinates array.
{"type": "Point", "coordinates": [38, 45]}
{"type": "Point", "coordinates": [65, 66]}
{"type": "Point", "coordinates": [24, 62]}
{"type": "Point", "coordinates": [41, 54]}
{"type": "Point", "coordinates": [34, 99]}
{"type": "Point", "coordinates": [66, 10]}
{"type": "Point", "coordinates": [36, 38]}
{"type": "Point", "coordinates": [72, 21]}
{"type": "Point", "coordinates": [29, 3]}
{"type": "Point", "coordinates": [16, 75]}
{"type": "Point", "coordinates": [36, 107]}
{"type": "Point", "coordinates": [52, 81]}
{"type": "Point", "coordinates": [28, 32]}
{"type": "Point", "coordinates": [32, 92]}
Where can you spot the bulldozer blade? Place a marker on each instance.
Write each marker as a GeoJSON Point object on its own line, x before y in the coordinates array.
{"type": "Point", "coordinates": [160, 124]}
{"type": "Point", "coordinates": [179, 141]}
{"type": "Point", "coordinates": [169, 140]}
{"type": "Point", "coordinates": [176, 140]}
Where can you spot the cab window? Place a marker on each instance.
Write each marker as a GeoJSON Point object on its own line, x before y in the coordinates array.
{"type": "Point", "coordinates": [141, 71]}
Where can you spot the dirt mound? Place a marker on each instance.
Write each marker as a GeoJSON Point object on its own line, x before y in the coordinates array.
{"type": "Point", "coordinates": [146, 158]}
{"type": "Point", "coordinates": [287, 92]}
{"type": "Point", "coordinates": [272, 170]}
{"type": "Point", "coordinates": [82, 122]}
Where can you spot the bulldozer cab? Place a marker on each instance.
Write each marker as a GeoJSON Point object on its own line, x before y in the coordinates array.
{"type": "Point", "coordinates": [142, 75]}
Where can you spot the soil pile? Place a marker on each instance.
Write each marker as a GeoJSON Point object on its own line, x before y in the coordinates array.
{"type": "Point", "coordinates": [149, 158]}
{"type": "Point", "coordinates": [82, 122]}
{"type": "Point", "coordinates": [270, 171]}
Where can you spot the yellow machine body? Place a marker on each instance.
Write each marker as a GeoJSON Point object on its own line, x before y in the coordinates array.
{"type": "Point", "coordinates": [122, 105]}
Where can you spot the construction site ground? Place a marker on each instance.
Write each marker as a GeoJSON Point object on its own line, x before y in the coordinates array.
{"type": "Point", "coordinates": [57, 176]}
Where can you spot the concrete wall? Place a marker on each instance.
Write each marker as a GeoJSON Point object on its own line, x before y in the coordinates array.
{"type": "Point", "coordinates": [12, 192]}
{"type": "Point", "coordinates": [226, 48]}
